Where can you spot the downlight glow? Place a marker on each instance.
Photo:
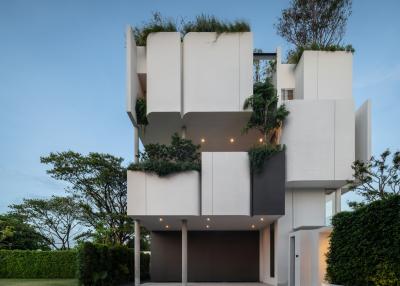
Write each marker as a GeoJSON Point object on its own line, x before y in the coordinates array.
{"type": "Point", "coordinates": [160, 219]}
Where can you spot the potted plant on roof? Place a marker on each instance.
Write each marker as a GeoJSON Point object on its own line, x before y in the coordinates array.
{"type": "Point", "coordinates": [267, 159]}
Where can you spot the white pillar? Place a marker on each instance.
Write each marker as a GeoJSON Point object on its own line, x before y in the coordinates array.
{"type": "Point", "coordinates": [137, 253]}
{"type": "Point", "coordinates": [184, 253]}
{"type": "Point", "coordinates": [136, 143]}
{"type": "Point", "coordinates": [338, 201]}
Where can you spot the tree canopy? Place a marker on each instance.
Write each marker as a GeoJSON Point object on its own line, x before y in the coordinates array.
{"type": "Point", "coordinates": [15, 233]}
{"type": "Point", "coordinates": [97, 183]}
{"type": "Point", "coordinates": [57, 219]}
{"type": "Point", "coordinates": [314, 22]}
{"type": "Point", "coordinates": [378, 178]}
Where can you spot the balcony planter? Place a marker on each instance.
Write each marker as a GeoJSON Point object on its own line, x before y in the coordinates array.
{"type": "Point", "coordinates": [268, 187]}
{"type": "Point", "coordinates": [175, 194]}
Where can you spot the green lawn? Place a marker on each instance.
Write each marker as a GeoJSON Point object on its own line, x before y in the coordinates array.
{"type": "Point", "coordinates": [38, 282]}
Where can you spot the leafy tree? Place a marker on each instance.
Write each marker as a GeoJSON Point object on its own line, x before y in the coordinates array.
{"type": "Point", "coordinates": [376, 179]}
{"type": "Point", "coordinates": [320, 22]}
{"type": "Point", "coordinates": [98, 184]}
{"type": "Point", "coordinates": [267, 117]}
{"type": "Point", "coordinates": [57, 219]}
{"type": "Point", "coordinates": [15, 233]}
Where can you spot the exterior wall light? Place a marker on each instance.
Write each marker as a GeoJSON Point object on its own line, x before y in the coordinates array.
{"type": "Point", "coordinates": [208, 219]}
{"type": "Point", "coordinates": [160, 219]}
{"type": "Point", "coordinates": [203, 140]}
{"type": "Point", "coordinates": [207, 226]}
{"type": "Point", "coordinates": [260, 140]}
{"type": "Point", "coordinates": [167, 226]}
{"type": "Point", "coordinates": [262, 219]}
{"type": "Point", "coordinates": [232, 140]}
{"type": "Point", "coordinates": [253, 226]}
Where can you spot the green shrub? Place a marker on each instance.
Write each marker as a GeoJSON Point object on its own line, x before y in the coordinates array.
{"type": "Point", "coordinates": [209, 23]}
{"type": "Point", "coordinates": [295, 55]}
{"type": "Point", "coordinates": [109, 265]}
{"type": "Point", "coordinates": [202, 23]}
{"type": "Point", "coordinates": [182, 155]}
{"type": "Point", "coordinates": [140, 108]}
{"type": "Point", "coordinates": [37, 264]}
{"type": "Point", "coordinates": [260, 153]}
{"type": "Point", "coordinates": [364, 247]}
{"type": "Point", "coordinates": [156, 24]}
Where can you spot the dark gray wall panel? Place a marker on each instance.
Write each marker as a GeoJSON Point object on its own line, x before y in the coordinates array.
{"type": "Point", "coordinates": [268, 187]}
{"type": "Point", "coordinates": [213, 256]}
{"type": "Point", "coordinates": [166, 256]}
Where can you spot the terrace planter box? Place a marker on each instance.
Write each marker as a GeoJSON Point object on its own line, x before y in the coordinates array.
{"type": "Point", "coordinates": [268, 187]}
{"type": "Point", "coordinates": [175, 194]}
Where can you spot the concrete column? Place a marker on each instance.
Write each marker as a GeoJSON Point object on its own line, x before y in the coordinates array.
{"type": "Point", "coordinates": [338, 201]}
{"type": "Point", "coordinates": [137, 253]}
{"type": "Point", "coordinates": [184, 253]}
{"type": "Point", "coordinates": [136, 143]}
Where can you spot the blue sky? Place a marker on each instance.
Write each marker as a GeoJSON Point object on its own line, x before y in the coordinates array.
{"type": "Point", "coordinates": [62, 76]}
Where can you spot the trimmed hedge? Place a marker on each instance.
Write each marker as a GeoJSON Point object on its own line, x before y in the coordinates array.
{"type": "Point", "coordinates": [37, 264]}
{"type": "Point", "coordinates": [104, 265]}
{"type": "Point", "coordinates": [365, 245]}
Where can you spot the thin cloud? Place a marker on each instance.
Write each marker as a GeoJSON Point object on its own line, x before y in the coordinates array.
{"type": "Point", "coordinates": [377, 77]}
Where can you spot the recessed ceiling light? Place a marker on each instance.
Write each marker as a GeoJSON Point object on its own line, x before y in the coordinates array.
{"type": "Point", "coordinates": [161, 219]}
{"type": "Point", "coordinates": [203, 140]}
{"type": "Point", "coordinates": [208, 219]}
{"type": "Point", "coordinates": [207, 226]}
{"type": "Point", "coordinates": [262, 219]}
{"type": "Point", "coordinates": [253, 226]}
{"type": "Point", "coordinates": [167, 226]}
{"type": "Point", "coordinates": [232, 140]}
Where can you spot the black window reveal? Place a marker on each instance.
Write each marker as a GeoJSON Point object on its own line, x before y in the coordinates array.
{"type": "Point", "coordinates": [272, 250]}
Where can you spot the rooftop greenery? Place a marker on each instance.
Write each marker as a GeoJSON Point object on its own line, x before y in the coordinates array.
{"type": "Point", "coordinates": [201, 23]}
{"type": "Point", "coordinates": [156, 24]}
{"type": "Point", "coordinates": [209, 23]}
{"type": "Point", "coordinates": [295, 55]}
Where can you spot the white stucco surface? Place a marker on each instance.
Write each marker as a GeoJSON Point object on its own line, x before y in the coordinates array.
{"type": "Point", "coordinates": [324, 75]}
{"type": "Point", "coordinates": [176, 194]}
{"type": "Point", "coordinates": [319, 139]}
{"type": "Point", "coordinates": [225, 183]}
{"type": "Point", "coordinates": [141, 60]}
{"type": "Point", "coordinates": [308, 208]}
{"type": "Point", "coordinates": [363, 132]}
{"type": "Point", "coordinates": [164, 72]}
{"type": "Point", "coordinates": [311, 247]}
{"type": "Point", "coordinates": [217, 71]}
{"type": "Point", "coordinates": [132, 81]}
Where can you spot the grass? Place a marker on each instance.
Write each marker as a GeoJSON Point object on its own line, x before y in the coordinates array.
{"type": "Point", "coordinates": [38, 282]}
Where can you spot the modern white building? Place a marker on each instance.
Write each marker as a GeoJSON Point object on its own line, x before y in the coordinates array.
{"type": "Point", "coordinates": [223, 223]}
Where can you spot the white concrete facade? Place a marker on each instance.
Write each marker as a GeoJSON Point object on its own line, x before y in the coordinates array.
{"type": "Point", "coordinates": [225, 183]}
{"type": "Point", "coordinates": [200, 83]}
{"type": "Point", "coordinates": [149, 194]}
